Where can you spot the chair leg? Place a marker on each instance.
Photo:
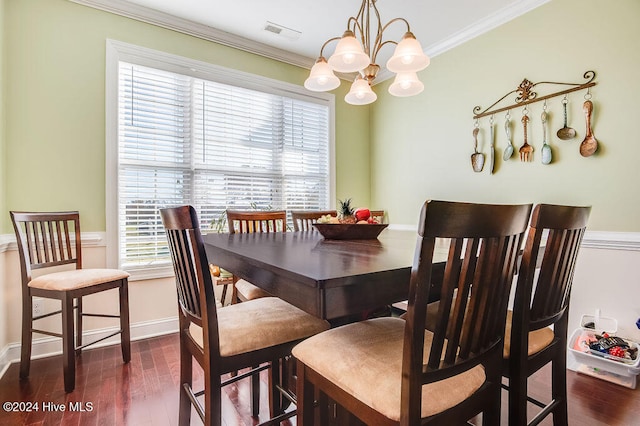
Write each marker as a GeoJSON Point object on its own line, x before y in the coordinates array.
{"type": "Point", "coordinates": [275, 378]}
{"type": "Point", "coordinates": [78, 325]}
{"type": "Point", "coordinates": [255, 394]}
{"type": "Point", "coordinates": [223, 299]}
{"type": "Point", "coordinates": [517, 397]}
{"type": "Point", "coordinates": [491, 416]}
{"type": "Point", "coordinates": [125, 329]}
{"type": "Point", "coordinates": [68, 350]}
{"type": "Point", "coordinates": [27, 336]}
{"type": "Point", "coordinates": [559, 387]}
{"type": "Point", "coordinates": [186, 378]}
{"type": "Point", "coordinates": [304, 393]}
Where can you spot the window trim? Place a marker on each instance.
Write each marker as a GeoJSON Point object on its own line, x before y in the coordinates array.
{"type": "Point", "coordinates": [117, 51]}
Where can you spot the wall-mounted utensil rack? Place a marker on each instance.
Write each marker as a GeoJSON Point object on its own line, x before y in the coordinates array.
{"type": "Point", "coordinates": [527, 96]}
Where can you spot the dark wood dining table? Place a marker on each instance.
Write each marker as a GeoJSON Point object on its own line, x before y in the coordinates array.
{"type": "Point", "coordinates": [326, 278]}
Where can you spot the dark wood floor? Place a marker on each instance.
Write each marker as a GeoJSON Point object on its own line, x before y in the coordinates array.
{"type": "Point", "coordinates": [145, 392]}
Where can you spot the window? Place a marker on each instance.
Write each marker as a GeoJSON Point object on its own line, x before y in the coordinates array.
{"type": "Point", "coordinates": [217, 139]}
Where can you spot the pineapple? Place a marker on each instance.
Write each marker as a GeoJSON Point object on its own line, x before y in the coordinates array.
{"type": "Point", "coordinates": [345, 211]}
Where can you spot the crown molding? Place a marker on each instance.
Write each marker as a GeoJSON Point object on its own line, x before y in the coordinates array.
{"type": "Point", "coordinates": [474, 30]}
{"type": "Point", "coordinates": [205, 32]}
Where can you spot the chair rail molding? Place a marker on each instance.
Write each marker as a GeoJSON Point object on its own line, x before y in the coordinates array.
{"type": "Point", "coordinates": [606, 240]}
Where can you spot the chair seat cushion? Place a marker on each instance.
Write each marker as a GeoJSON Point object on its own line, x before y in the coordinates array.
{"type": "Point", "coordinates": [76, 278]}
{"type": "Point", "coordinates": [365, 360]}
{"type": "Point", "coordinates": [259, 324]}
{"type": "Point", "coordinates": [538, 339]}
{"type": "Point", "coordinates": [249, 291]}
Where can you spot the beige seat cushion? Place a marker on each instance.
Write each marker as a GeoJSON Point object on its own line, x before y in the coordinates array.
{"type": "Point", "coordinates": [249, 291]}
{"type": "Point", "coordinates": [538, 339]}
{"type": "Point", "coordinates": [365, 360]}
{"type": "Point", "coordinates": [76, 278]}
{"type": "Point", "coordinates": [259, 324]}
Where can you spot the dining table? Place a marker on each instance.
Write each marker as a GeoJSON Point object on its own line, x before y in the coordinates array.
{"type": "Point", "coordinates": [328, 278]}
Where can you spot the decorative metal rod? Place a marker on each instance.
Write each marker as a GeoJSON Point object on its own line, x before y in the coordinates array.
{"type": "Point", "coordinates": [526, 96]}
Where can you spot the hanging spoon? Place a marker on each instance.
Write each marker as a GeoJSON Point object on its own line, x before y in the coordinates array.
{"type": "Point", "coordinates": [590, 144]}
{"type": "Point", "coordinates": [508, 151]}
{"type": "Point", "coordinates": [566, 133]}
{"type": "Point", "coordinates": [477, 158]}
{"type": "Point", "coordinates": [546, 149]}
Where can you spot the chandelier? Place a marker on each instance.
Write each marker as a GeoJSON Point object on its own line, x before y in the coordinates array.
{"type": "Point", "coordinates": [357, 51]}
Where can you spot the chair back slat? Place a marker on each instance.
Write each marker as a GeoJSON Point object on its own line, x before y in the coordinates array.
{"type": "Point", "coordinates": [45, 239]}
{"type": "Point", "coordinates": [244, 222]}
{"type": "Point", "coordinates": [548, 296]}
{"type": "Point", "coordinates": [193, 281]}
{"type": "Point", "coordinates": [303, 220]}
{"type": "Point", "coordinates": [481, 260]}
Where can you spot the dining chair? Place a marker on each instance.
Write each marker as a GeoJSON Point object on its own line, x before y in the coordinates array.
{"type": "Point", "coordinates": [388, 371]}
{"type": "Point", "coordinates": [303, 220]}
{"type": "Point", "coordinates": [225, 340]}
{"type": "Point", "coordinates": [243, 222]}
{"type": "Point", "coordinates": [46, 242]}
{"type": "Point", "coordinates": [542, 300]}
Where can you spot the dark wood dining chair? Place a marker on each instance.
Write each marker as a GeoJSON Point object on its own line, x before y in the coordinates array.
{"type": "Point", "coordinates": [303, 220]}
{"type": "Point", "coordinates": [47, 241]}
{"type": "Point", "coordinates": [254, 333]}
{"type": "Point", "coordinates": [250, 221]}
{"type": "Point", "coordinates": [542, 300]}
{"type": "Point", "coordinates": [387, 371]}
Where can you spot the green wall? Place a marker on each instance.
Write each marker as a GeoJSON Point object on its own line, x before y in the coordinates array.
{"type": "Point", "coordinates": [421, 146]}
{"type": "Point", "coordinates": [55, 82]}
{"type": "Point", "coordinates": [3, 39]}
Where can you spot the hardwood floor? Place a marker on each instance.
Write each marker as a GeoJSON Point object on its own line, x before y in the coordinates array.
{"type": "Point", "coordinates": [145, 392]}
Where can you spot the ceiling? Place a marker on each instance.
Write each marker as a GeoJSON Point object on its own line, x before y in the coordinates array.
{"type": "Point", "coordinates": [438, 25]}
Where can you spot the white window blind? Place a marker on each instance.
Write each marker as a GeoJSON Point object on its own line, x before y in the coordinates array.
{"type": "Point", "coordinates": [185, 140]}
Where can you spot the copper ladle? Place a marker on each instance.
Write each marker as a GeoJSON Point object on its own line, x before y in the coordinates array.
{"type": "Point", "coordinates": [590, 144]}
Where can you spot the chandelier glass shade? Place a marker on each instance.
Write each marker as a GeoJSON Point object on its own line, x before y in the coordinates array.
{"type": "Point", "coordinates": [357, 50]}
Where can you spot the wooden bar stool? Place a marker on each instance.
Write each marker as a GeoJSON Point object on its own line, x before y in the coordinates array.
{"type": "Point", "coordinates": [257, 333]}
{"type": "Point", "coordinates": [540, 301]}
{"type": "Point", "coordinates": [48, 240]}
{"type": "Point", "coordinates": [388, 371]}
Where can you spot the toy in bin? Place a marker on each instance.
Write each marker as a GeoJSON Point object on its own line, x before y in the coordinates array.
{"type": "Point", "coordinates": [609, 347]}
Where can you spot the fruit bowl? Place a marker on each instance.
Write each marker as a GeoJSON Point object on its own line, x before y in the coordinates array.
{"type": "Point", "coordinates": [350, 231]}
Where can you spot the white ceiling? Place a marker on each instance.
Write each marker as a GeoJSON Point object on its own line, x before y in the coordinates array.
{"type": "Point", "coordinates": [438, 25]}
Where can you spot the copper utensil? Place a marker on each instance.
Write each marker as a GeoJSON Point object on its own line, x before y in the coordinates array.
{"type": "Point", "coordinates": [566, 133]}
{"type": "Point", "coordinates": [477, 158]}
{"type": "Point", "coordinates": [589, 145]}
{"type": "Point", "coordinates": [526, 150]}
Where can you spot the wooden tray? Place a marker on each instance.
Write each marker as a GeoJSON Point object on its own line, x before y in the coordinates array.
{"type": "Point", "coordinates": [348, 231]}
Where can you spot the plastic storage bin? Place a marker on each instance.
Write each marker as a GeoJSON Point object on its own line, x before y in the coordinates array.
{"type": "Point", "coordinates": [622, 373]}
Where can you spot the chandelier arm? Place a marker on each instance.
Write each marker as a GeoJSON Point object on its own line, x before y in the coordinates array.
{"type": "Point", "coordinates": [376, 48]}
{"type": "Point", "coordinates": [379, 43]}
{"type": "Point", "coordinates": [396, 20]}
{"type": "Point", "coordinates": [325, 44]}
{"type": "Point", "coordinates": [357, 29]}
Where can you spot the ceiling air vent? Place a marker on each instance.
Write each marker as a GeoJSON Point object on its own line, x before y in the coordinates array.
{"type": "Point", "coordinates": [281, 31]}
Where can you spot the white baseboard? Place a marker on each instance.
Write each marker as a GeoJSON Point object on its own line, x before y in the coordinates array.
{"type": "Point", "coordinates": [49, 346]}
